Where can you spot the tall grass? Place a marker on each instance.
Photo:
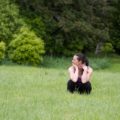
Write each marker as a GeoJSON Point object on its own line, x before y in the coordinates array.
{"type": "Point", "coordinates": [39, 93]}
{"type": "Point", "coordinates": [100, 63]}
{"type": "Point", "coordinates": [63, 62]}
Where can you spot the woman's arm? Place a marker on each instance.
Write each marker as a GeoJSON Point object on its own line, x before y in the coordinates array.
{"type": "Point", "coordinates": [86, 74]}
{"type": "Point", "coordinates": [73, 72]}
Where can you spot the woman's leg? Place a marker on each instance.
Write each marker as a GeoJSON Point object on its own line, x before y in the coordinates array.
{"type": "Point", "coordinates": [84, 87]}
{"type": "Point", "coordinates": [88, 87]}
{"type": "Point", "coordinates": [80, 87]}
{"type": "Point", "coordinates": [71, 86]}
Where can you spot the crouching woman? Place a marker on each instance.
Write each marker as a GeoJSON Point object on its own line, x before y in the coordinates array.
{"type": "Point", "coordinates": [80, 74]}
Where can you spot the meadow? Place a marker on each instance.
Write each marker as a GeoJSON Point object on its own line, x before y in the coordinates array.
{"type": "Point", "coordinates": [39, 93]}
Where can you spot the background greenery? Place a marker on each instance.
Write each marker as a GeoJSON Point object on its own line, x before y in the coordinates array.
{"type": "Point", "coordinates": [65, 26]}
{"type": "Point", "coordinates": [76, 25]}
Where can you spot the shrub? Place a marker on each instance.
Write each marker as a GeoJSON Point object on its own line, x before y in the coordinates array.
{"type": "Point", "coordinates": [10, 20]}
{"type": "Point", "coordinates": [2, 51]}
{"type": "Point", "coordinates": [26, 48]}
{"type": "Point", "coordinates": [107, 48]}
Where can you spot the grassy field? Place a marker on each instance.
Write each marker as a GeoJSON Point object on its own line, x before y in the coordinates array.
{"type": "Point", "coordinates": [39, 93]}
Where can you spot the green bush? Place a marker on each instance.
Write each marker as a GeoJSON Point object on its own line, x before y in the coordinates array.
{"type": "Point", "coordinates": [107, 48]}
{"type": "Point", "coordinates": [26, 48]}
{"type": "Point", "coordinates": [10, 20]}
{"type": "Point", "coordinates": [2, 51]}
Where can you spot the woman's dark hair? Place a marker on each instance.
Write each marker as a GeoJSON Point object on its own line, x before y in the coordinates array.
{"type": "Point", "coordinates": [83, 58]}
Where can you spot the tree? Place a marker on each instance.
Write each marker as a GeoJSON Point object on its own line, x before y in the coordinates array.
{"type": "Point", "coordinates": [9, 19]}
{"type": "Point", "coordinates": [73, 25]}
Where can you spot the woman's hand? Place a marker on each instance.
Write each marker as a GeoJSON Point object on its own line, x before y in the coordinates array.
{"type": "Point", "coordinates": [85, 68]}
{"type": "Point", "coordinates": [73, 72]}
{"type": "Point", "coordinates": [86, 73]}
{"type": "Point", "coordinates": [75, 66]}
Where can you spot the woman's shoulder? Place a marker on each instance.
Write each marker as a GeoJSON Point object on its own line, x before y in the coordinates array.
{"type": "Point", "coordinates": [70, 68]}
{"type": "Point", "coordinates": [90, 69]}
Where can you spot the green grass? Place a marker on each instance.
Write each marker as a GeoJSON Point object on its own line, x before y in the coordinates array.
{"type": "Point", "coordinates": [39, 93]}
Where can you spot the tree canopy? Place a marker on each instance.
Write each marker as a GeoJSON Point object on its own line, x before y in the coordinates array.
{"type": "Point", "coordinates": [69, 26]}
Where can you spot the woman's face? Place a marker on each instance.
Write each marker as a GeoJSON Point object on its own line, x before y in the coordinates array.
{"type": "Point", "coordinates": [75, 61]}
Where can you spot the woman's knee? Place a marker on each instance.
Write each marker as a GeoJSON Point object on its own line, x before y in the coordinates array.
{"type": "Point", "coordinates": [85, 88]}
{"type": "Point", "coordinates": [70, 86]}
{"type": "Point", "coordinates": [88, 88]}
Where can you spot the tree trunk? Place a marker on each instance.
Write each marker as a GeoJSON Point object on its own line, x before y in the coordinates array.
{"type": "Point", "coordinates": [98, 48]}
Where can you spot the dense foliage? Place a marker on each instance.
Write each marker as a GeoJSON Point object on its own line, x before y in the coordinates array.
{"type": "Point", "coordinates": [76, 25]}
{"type": "Point", "coordinates": [10, 20]}
{"type": "Point", "coordinates": [66, 26]}
{"type": "Point", "coordinates": [2, 51]}
{"type": "Point", "coordinates": [26, 48]}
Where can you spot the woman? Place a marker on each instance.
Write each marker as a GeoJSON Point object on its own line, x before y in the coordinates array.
{"type": "Point", "coordinates": [80, 73]}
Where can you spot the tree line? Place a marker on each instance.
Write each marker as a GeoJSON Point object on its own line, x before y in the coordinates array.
{"type": "Point", "coordinates": [66, 26]}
